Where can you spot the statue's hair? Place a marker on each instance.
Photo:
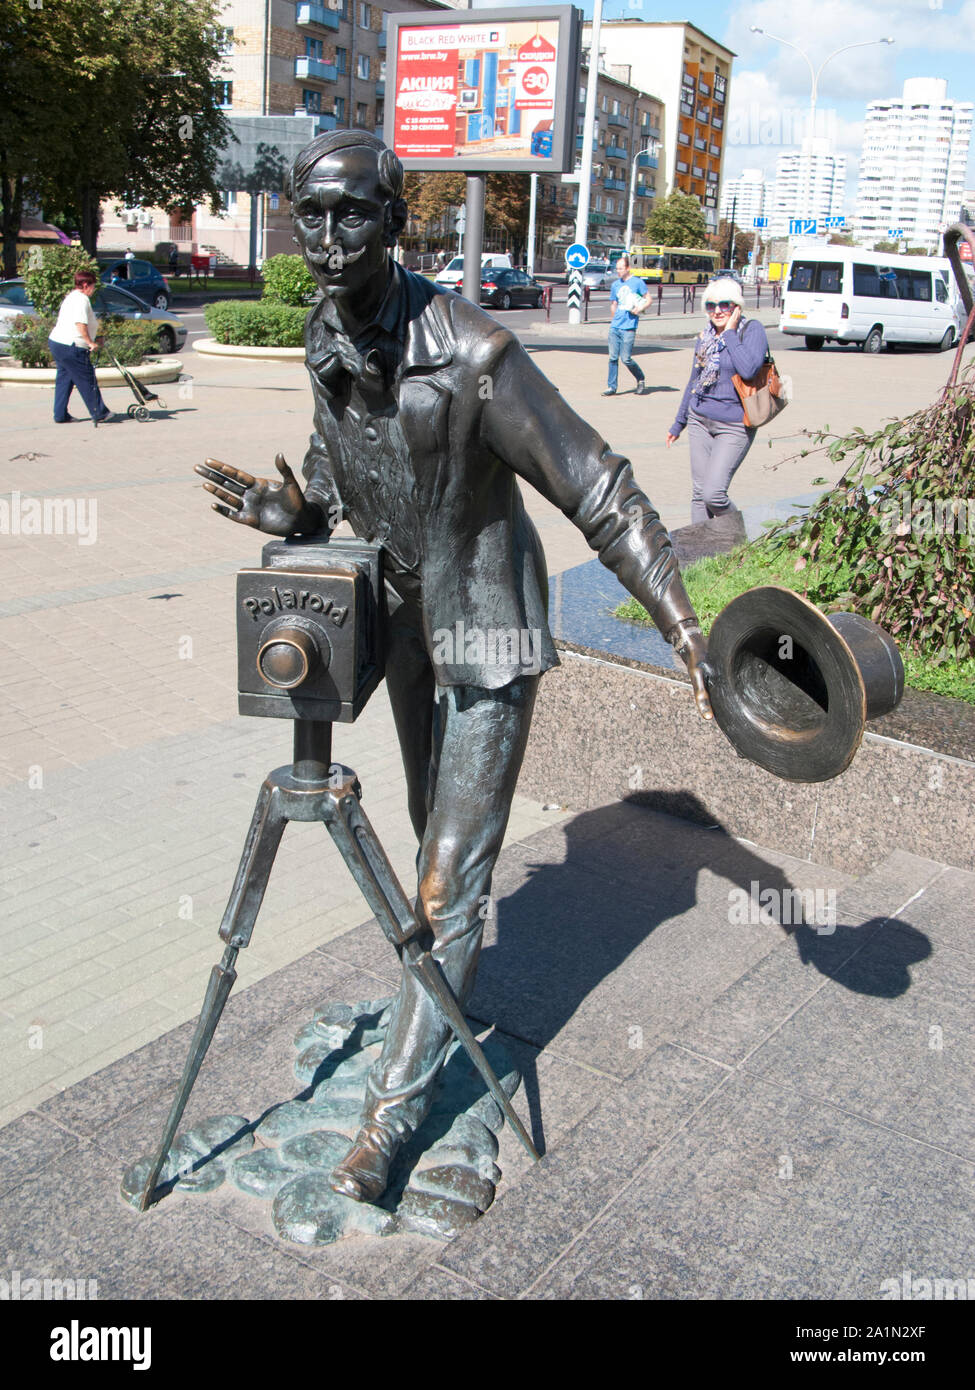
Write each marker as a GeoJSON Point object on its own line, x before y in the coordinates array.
{"type": "Point", "coordinates": [387, 163]}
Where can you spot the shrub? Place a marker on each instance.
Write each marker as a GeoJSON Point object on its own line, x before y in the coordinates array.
{"type": "Point", "coordinates": [50, 274]}
{"type": "Point", "coordinates": [28, 340]}
{"type": "Point", "coordinates": [263, 324]}
{"type": "Point", "coordinates": [287, 280]}
{"type": "Point", "coordinates": [128, 339]}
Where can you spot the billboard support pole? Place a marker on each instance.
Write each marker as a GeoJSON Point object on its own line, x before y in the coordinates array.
{"type": "Point", "coordinates": [588, 126]}
{"type": "Point", "coordinates": [532, 205]}
{"type": "Point", "coordinates": [474, 236]}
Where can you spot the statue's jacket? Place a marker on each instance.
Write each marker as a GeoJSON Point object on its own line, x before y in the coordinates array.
{"type": "Point", "coordinates": [474, 414]}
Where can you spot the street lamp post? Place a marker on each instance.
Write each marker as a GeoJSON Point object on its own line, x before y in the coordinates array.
{"type": "Point", "coordinates": [652, 149]}
{"type": "Point", "coordinates": [815, 73]}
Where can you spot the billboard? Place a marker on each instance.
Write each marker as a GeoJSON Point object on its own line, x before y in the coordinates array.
{"type": "Point", "coordinates": [495, 89]}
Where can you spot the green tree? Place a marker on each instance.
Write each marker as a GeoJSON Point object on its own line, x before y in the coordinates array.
{"type": "Point", "coordinates": [744, 243]}
{"type": "Point", "coordinates": [50, 273]}
{"type": "Point", "coordinates": [677, 220]}
{"type": "Point", "coordinates": [131, 82]}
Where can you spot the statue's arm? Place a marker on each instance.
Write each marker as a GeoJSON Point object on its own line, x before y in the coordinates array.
{"type": "Point", "coordinates": [528, 425]}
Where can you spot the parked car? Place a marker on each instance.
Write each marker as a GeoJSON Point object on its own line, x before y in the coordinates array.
{"type": "Point", "coordinates": [598, 275]}
{"type": "Point", "coordinates": [504, 288]}
{"type": "Point", "coordinates": [140, 278]}
{"type": "Point", "coordinates": [107, 300]}
{"type": "Point", "coordinates": [452, 274]}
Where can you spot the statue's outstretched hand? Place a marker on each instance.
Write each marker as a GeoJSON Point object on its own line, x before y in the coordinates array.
{"type": "Point", "coordinates": [274, 507]}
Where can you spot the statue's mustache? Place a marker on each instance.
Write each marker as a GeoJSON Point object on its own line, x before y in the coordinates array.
{"type": "Point", "coordinates": [334, 259]}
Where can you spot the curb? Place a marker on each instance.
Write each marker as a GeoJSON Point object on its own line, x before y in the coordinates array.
{"type": "Point", "coordinates": [165, 369]}
{"type": "Point", "coordinates": [209, 347]}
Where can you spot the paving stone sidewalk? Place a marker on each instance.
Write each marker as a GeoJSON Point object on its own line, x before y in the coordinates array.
{"type": "Point", "coordinates": [729, 1107]}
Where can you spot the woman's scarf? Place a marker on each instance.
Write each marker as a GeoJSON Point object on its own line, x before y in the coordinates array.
{"type": "Point", "coordinates": [706, 357]}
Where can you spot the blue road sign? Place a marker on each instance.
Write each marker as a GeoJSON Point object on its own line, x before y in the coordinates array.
{"type": "Point", "coordinates": [802, 226]}
{"type": "Point", "coordinates": [759, 221]}
{"type": "Point", "coordinates": [577, 256]}
{"type": "Point", "coordinates": [836, 221]}
{"type": "Point", "coordinates": [895, 233]}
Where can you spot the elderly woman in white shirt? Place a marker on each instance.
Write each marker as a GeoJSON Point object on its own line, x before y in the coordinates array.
{"type": "Point", "coordinates": [72, 341]}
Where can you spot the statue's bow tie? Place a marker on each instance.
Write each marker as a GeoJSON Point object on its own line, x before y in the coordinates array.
{"type": "Point", "coordinates": [340, 358]}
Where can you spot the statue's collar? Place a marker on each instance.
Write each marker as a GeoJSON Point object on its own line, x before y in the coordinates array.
{"type": "Point", "coordinates": [409, 314]}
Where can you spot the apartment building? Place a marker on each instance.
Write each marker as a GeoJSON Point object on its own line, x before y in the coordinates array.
{"type": "Point", "coordinates": [690, 73]}
{"type": "Point", "coordinates": [912, 170]}
{"type": "Point", "coordinates": [749, 195]}
{"type": "Point", "coordinates": [809, 183]}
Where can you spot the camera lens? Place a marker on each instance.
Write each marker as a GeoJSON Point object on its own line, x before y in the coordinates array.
{"type": "Point", "coordinates": [287, 658]}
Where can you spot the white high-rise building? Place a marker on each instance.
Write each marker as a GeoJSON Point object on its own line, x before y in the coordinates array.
{"type": "Point", "coordinates": [748, 194]}
{"type": "Point", "coordinates": [912, 170]}
{"type": "Point", "coordinates": [809, 183]}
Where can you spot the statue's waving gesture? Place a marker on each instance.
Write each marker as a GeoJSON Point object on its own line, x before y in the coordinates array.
{"type": "Point", "coordinates": [278, 508]}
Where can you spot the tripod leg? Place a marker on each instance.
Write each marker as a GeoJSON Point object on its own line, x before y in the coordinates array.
{"type": "Point", "coordinates": [263, 837]}
{"type": "Point", "coordinates": [360, 848]}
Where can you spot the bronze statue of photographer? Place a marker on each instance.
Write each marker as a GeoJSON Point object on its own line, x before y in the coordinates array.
{"type": "Point", "coordinates": [427, 412]}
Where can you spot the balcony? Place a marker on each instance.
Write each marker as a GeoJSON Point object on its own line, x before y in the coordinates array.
{"type": "Point", "coordinates": [615, 152]}
{"type": "Point", "coordinates": [381, 89]}
{"type": "Point", "coordinates": [622, 121]}
{"type": "Point", "coordinates": [682, 138]}
{"type": "Point", "coordinates": [381, 40]}
{"type": "Point", "coordinates": [316, 14]}
{"type": "Point", "coordinates": [649, 132]}
{"type": "Point", "coordinates": [643, 190]}
{"type": "Point", "coordinates": [614, 185]}
{"type": "Point", "coordinates": [314, 70]}
{"type": "Point", "coordinates": [686, 109]}
{"type": "Point", "coordinates": [595, 143]}
{"type": "Point", "coordinates": [649, 161]}
{"type": "Point", "coordinates": [322, 120]}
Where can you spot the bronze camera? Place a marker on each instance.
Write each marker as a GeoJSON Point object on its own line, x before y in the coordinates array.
{"type": "Point", "coordinates": [309, 630]}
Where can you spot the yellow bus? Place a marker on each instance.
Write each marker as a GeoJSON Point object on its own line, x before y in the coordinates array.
{"type": "Point", "coordinates": [674, 265]}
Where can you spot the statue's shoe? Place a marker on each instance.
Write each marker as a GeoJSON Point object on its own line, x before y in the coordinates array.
{"type": "Point", "coordinates": [364, 1172]}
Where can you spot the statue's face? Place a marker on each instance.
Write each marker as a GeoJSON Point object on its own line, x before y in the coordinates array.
{"type": "Point", "coordinates": [340, 222]}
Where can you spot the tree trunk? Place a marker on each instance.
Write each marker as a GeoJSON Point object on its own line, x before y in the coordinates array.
{"type": "Point", "coordinates": [90, 218]}
{"type": "Point", "coordinates": [13, 206]}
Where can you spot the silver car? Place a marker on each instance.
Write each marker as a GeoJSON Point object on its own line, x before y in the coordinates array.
{"type": "Point", "coordinates": [107, 299]}
{"type": "Point", "coordinates": [598, 275]}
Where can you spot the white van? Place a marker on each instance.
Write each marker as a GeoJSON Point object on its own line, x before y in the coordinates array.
{"type": "Point", "coordinates": [452, 274]}
{"type": "Point", "coordinates": [847, 295]}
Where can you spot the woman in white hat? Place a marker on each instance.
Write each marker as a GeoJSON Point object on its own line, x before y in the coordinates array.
{"type": "Point", "coordinates": [711, 407]}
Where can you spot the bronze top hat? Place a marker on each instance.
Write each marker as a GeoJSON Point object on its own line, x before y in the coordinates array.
{"type": "Point", "coordinates": [792, 687]}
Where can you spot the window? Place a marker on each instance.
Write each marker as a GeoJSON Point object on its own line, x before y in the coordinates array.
{"type": "Point", "coordinates": [380, 113]}
{"type": "Point", "coordinates": [341, 58]}
{"type": "Point", "coordinates": [365, 16]}
{"type": "Point", "coordinates": [361, 113]}
{"type": "Point", "coordinates": [362, 67]}
{"type": "Point", "coordinates": [338, 107]}
{"type": "Point", "coordinates": [941, 290]}
{"type": "Point", "coordinates": [313, 49]}
{"type": "Point", "coordinates": [223, 93]}
{"type": "Point", "coordinates": [228, 199]}
{"type": "Point", "coordinates": [821, 277]}
{"type": "Point", "coordinates": [225, 40]}
{"type": "Point", "coordinates": [311, 101]}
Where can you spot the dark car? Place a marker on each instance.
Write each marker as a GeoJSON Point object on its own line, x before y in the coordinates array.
{"type": "Point", "coordinates": [107, 300]}
{"type": "Point", "coordinates": [140, 278]}
{"type": "Point", "coordinates": [503, 288]}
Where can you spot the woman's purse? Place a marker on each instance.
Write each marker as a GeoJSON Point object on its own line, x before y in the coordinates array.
{"type": "Point", "coordinates": [763, 395]}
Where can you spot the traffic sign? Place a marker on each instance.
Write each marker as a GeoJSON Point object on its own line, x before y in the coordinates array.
{"type": "Point", "coordinates": [759, 221]}
{"type": "Point", "coordinates": [836, 221]}
{"type": "Point", "coordinates": [895, 233]}
{"type": "Point", "coordinates": [802, 226]}
{"type": "Point", "coordinates": [577, 256]}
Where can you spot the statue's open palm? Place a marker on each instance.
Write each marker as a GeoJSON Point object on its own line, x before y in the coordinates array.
{"type": "Point", "coordinates": [267, 505]}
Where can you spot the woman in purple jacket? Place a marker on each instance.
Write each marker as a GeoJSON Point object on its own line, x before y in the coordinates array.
{"type": "Point", "coordinates": [711, 407]}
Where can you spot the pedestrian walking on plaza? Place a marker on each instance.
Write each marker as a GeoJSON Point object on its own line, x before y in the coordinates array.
{"type": "Point", "coordinates": [711, 407]}
{"type": "Point", "coordinates": [628, 294]}
{"type": "Point", "coordinates": [72, 341]}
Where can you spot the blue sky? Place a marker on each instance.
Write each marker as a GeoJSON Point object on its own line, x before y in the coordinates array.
{"type": "Point", "coordinates": [771, 84]}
